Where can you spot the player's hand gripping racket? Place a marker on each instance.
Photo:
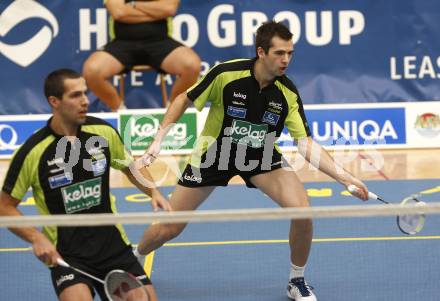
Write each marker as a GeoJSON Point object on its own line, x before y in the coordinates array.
{"type": "Point", "coordinates": [408, 224]}
{"type": "Point", "coordinates": [118, 285]}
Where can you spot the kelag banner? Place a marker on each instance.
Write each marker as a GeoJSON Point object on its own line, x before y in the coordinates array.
{"type": "Point", "coordinates": [346, 51]}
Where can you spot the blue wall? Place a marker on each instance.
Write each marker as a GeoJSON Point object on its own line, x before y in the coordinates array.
{"type": "Point", "coordinates": [346, 51]}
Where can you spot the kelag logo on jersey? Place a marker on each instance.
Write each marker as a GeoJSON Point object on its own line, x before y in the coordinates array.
{"type": "Point", "coordinates": [81, 196]}
{"type": "Point", "coordinates": [355, 126]}
{"type": "Point", "coordinates": [243, 132]}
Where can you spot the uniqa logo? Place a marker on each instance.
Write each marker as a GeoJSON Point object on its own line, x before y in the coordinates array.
{"type": "Point", "coordinates": [352, 129]}
{"type": "Point", "coordinates": [29, 51]}
{"type": "Point", "coordinates": [12, 143]}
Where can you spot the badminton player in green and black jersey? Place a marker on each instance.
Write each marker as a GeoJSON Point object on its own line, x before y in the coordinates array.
{"type": "Point", "coordinates": [67, 164]}
{"type": "Point", "coordinates": [251, 100]}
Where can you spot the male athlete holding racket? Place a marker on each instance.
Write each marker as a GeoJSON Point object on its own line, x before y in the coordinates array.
{"type": "Point", "coordinates": [67, 164]}
{"type": "Point", "coordinates": [251, 101]}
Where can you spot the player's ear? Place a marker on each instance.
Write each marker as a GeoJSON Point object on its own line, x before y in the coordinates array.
{"type": "Point", "coordinates": [260, 52]}
{"type": "Point", "coordinates": [53, 101]}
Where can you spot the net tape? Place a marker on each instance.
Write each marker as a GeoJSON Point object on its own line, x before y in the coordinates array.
{"type": "Point", "coordinates": [220, 215]}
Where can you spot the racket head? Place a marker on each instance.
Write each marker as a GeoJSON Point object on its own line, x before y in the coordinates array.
{"type": "Point", "coordinates": [411, 224]}
{"type": "Point", "coordinates": [123, 286]}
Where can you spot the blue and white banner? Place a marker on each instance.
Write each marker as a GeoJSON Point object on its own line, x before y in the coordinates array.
{"type": "Point", "coordinates": [362, 126]}
{"type": "Point", "coordinates": [13, 133]}
{"type": "Point", "coordinates": [15, 129]}
{"type": "Point", "coordinates": [337, 126]}
{"type": "Point", "coordinates": [346, 51]}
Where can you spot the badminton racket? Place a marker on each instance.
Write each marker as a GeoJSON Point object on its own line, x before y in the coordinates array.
{"type": "Point", "coordinates": [118, 284]}
{"type": "Point", "coordinates": [409, 224]}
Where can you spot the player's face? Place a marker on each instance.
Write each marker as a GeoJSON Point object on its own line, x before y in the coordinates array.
{"type": "Point", "coordinates": [74, 103]}
{"type": "Point", "coordinates": [278, 57]}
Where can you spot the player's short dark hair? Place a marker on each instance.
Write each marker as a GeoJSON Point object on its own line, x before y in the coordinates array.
{"type": "Point", "coordinates": [54, 82]}
{"type": "Point", "coordinates": [267, 31]}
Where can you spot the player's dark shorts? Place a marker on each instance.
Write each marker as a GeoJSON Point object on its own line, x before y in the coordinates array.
{"type": "Point", "coordinates": [63, 277]}
{"type": "Point", "coordinates": [215, 175]}
{"type": "Point", "coordinates": [144, 52]}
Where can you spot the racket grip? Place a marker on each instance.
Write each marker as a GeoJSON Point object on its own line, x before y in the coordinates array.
{"type": "Point", "coordinates": [62, 263]}
{"type": "Point", "coordinates": [371, 195]}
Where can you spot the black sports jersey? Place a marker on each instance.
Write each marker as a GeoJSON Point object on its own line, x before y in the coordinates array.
{"type": "Point", "coordinates": [151, 30]}
{"type": "Point", "coordinates": [244, 113]}
{"type": "Point", "coordinates": [83, 187]}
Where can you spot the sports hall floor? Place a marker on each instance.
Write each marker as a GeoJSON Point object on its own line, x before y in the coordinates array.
{"type": "Point", "coordinates": [352, 259]}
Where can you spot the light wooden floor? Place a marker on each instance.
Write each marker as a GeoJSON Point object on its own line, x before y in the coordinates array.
{"type": "Point", "coordinates": [390, 164]}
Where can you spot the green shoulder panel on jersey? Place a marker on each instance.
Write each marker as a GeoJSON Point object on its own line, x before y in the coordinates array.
{"type": "Point", "coordinates": [296, 121]}
{"type": "Point", "coordinates": [23, 171]}
{"type": "Point", "coordinates": [120, 156]}
{"type": "Point", "coordinates": [217, 79]}
{"type": "Point", "coordinates": [209, 88]}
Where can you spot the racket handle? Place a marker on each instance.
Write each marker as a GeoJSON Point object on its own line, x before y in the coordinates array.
{"type": "Point", "coordinates": [371, 195]}
{"type": "Point", "coordinates": [62, 263]}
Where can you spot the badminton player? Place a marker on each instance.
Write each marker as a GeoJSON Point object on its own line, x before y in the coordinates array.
{"type": "Point", "coordinates": [67, 164]}
{"type": "Point", "coordinates": [251, 102]}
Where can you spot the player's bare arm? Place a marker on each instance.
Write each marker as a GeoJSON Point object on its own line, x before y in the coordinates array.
{"type": "Point", "coordinates": [126, 12]}
{"type": "Point", "coordinates": [320, 158]}
{"type": "Point", "coordinates": [159, 9]}
{"type": "Point", "coordinates": [142, 179]}
{"type": "Point", "coordinates": [41, 246]}
{"type": "Point", "coordinates": [174, 112]}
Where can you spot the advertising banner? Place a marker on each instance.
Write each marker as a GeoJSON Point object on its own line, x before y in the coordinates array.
{"type": "Point", "coordinates": [15, 129]}
{"type": "Point", "coordinates": [13, 133]}
{"type": "Point", "coordinates": [348, 51]}
{"type": "Point", "coordinates": [423, 124]}
{"type": "Point", "coordinates": [139, 127]}
{"type": "Point", "coordinates": [354, 126]}
{"type": "Point", "coordinates": [338, 126]}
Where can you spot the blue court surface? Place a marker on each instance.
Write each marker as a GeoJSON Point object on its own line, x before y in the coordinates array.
{"type": "Point", "coordinates": [352, 259]}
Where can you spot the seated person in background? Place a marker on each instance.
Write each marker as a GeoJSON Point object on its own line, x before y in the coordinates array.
{"type": "Point", "coordinates": [140, 38]}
